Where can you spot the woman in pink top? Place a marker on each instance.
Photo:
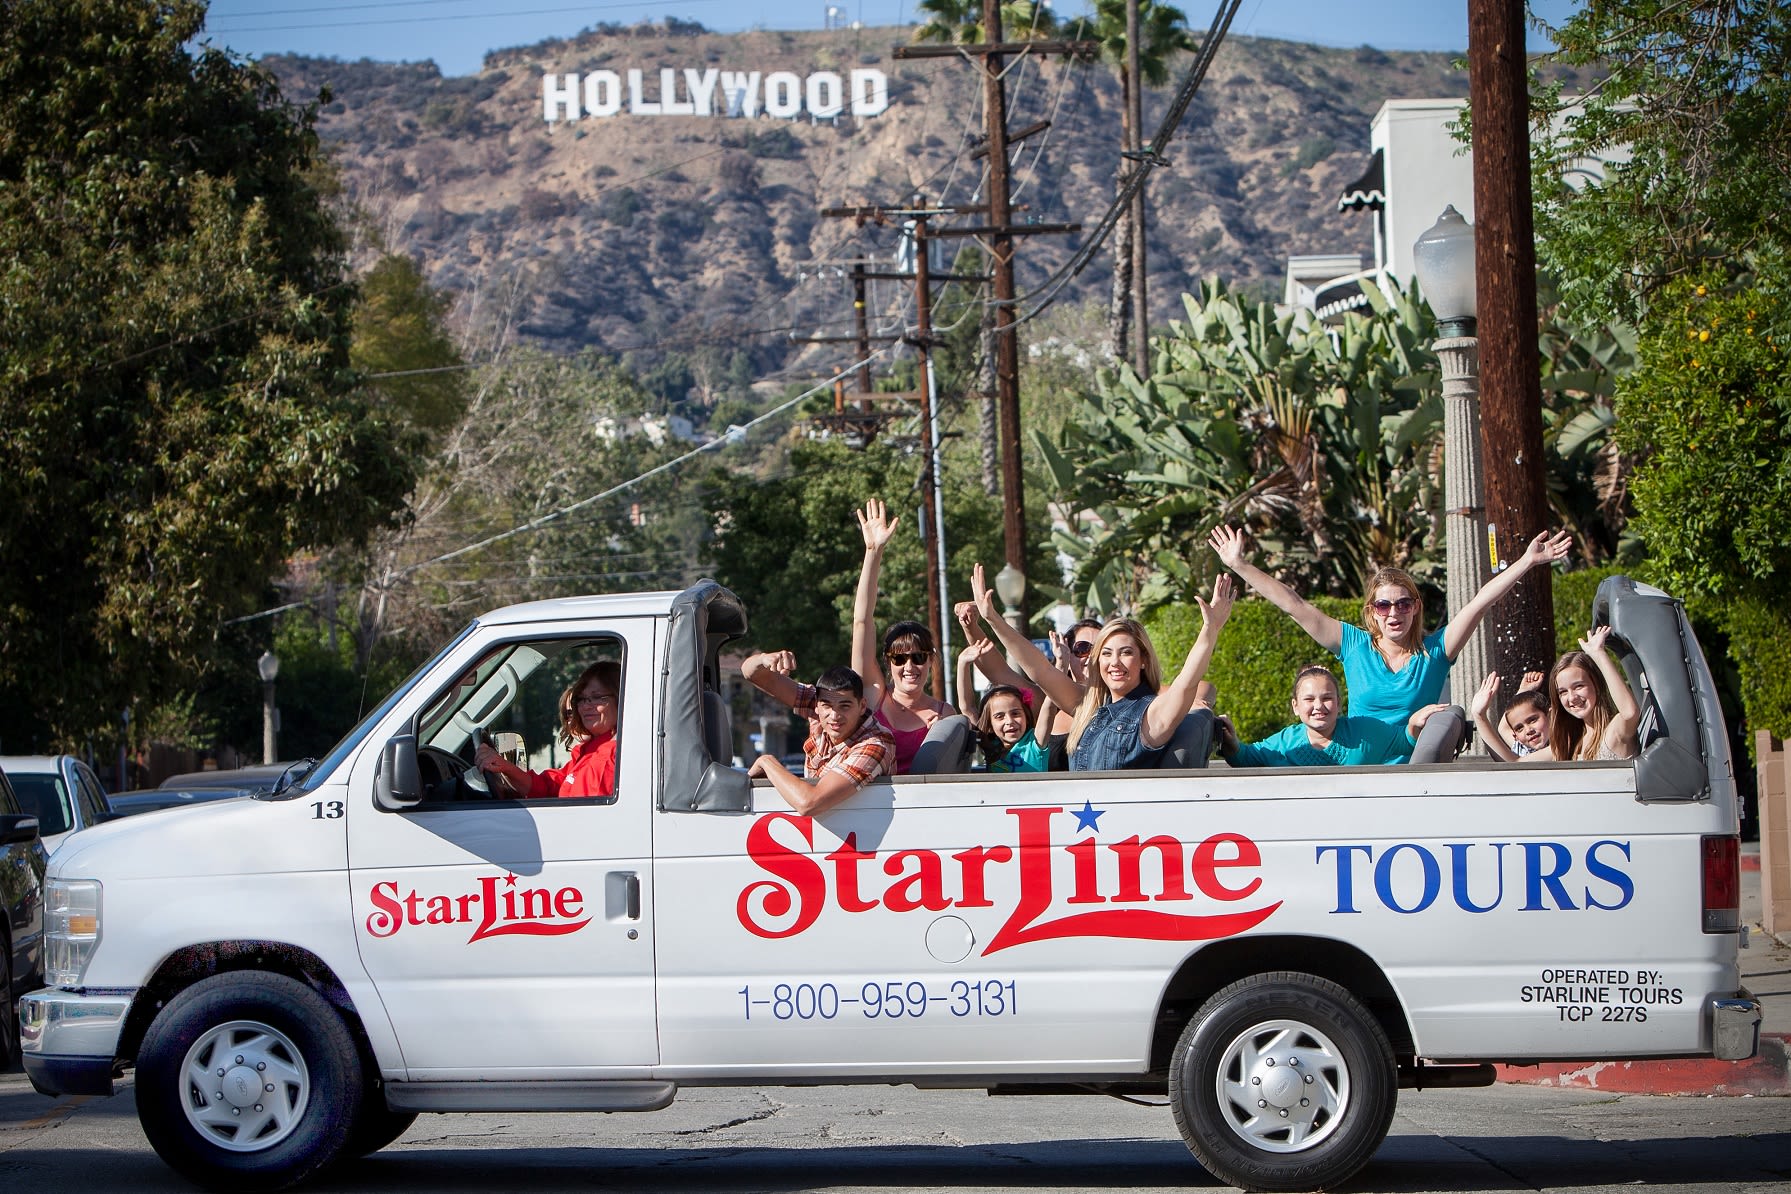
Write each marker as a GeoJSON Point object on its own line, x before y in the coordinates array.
{"type": "Point", "coordinates": [899, 701]}
{"type": "Point", "coordinates": [589, 717]}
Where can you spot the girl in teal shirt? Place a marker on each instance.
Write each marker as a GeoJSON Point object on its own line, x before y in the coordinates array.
{"type": "Point", "coordinates": [1012, 739]}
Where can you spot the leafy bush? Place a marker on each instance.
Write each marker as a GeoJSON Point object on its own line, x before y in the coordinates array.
{"type": "Point", "coordinates": [1259, 653]}
{"type": "Point", "coordinates": [618, 206]}
{"type": "Point", "coordinates": [1760, 648]}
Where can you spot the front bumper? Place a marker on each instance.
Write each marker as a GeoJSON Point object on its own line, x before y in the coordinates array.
{"type": "Point", "coordinates": [1735, 1027]}
{"type": "Point", "coordinates": [70, 1038]}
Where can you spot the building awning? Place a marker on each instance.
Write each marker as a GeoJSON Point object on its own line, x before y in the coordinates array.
{"type": "Point", "coordinates": [1369, 192]}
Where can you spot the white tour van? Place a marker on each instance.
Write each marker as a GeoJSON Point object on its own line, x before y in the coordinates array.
{"type": "Point", "coordinates": [295, 976]}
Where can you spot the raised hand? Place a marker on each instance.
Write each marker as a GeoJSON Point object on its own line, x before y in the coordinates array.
{"type": "Point", "coordinates": [1228, 543]}
{"type": "Point", "coordinates": [1060, 653]}
{"type": "Point", "coordinates": [1532, 680]}
{"type": "Point", "coordinates": [1215, 612]}
{"type": "Point", "coordinates": [1483, 696]}
{"type": "Point", "coordinates": [976, 649]}
{"type": "Point", "coordinates": [965, 613]}
{"type": "Point", "coordinates": [876, 525]}
{"type": "Point", "coordinates": [1547, 549]}
{"type": "Point", "coordinates": [1593, 643]}
{"type": "Point", "coordinates": [984, 595]}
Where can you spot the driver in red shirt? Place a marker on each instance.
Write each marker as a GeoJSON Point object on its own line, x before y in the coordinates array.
{"type": "Point", "coordinates": [589, 713]}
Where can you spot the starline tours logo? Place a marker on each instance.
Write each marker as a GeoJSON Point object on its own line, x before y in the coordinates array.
{"type": "Point", "coordinates": [508, 911]}
{"type": "Point", "coordinates": [1050, 879]}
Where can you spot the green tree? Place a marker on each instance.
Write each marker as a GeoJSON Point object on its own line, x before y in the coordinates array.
{"type": "Point", "coordinates": [1707, 413]}
{"type": "Point", "coordinates": [175, 402]}
{"type": "Point", "coordinates": [789, 546]}
{"type": "Point", "coordinates": [401, 338]}
{"type": "Point", "coordinates": [1697, 95]}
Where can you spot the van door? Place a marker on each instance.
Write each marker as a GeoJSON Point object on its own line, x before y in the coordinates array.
{"type": "Point", "coordinates": [513, 937]}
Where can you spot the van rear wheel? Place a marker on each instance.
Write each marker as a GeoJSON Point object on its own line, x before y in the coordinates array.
{"type": "Point", "coordinates": [248, 1081]}
{"type": "Point", "coordinates": [1283, 1081]}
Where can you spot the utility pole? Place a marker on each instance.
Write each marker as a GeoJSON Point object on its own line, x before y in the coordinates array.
{"type": "Point", "coordinates": [1135, 143]}
{"type": "Point", "coordinates": [930, 536]}
{"type": "Point", "coordinates": [1521, 629]}
{"type": "Point", "coordinates": [999, 235]}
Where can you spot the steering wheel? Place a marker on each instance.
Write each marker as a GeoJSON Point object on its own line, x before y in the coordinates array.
{"type": "Point", "coordinates": [447, 776]}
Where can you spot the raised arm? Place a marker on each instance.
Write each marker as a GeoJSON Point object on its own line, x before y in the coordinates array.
{"type": "Point", "coordinates": [805, 796]}
{"type": "Point", "coordinates": [1543, 549]}
{"type": "Point", "coordinates": [1482, 711]}
{"type": "Point", "coordinates": [1325, 630]}
{"type": "Point", "coordinates": [875, 524]}
{"type": "Point", "coordinates": [1059, 687]}
{"type": "Point", "coordinates": [1173, 703]}
{"type": "Point", "coordinates": [991, 663]}
{"type": "Point", "coordinates": [771, 672]}
{"type": "Point", "coordinates": [968, 703]}
{"type": "Point", "coordinates": [1622, 730]}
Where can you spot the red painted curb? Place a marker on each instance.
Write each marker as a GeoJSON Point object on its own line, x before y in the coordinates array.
{"type": "Point", "coordinates": [1750, 862]}
{"type": "Point", "coordinates": [1768, 1072]}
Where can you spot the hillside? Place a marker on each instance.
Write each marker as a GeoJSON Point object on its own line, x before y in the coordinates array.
{"type": "Point", "coordinates": [634, 231]}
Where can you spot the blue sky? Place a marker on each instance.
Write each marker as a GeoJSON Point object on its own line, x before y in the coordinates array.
{"type": "Point", "coordinates": [457, 33]}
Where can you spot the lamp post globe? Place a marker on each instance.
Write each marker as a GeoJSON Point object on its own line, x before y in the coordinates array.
{"type": "Point", "coordinates": [1443, 259]}
{"type": "Point", "coordinates": [1010, 586]}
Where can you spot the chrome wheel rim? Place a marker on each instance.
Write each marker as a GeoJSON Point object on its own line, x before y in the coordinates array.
{"type": "Point", "coordinates": [246, 1086]}
{"type": "Point", "coordinates": [1282, 1086]}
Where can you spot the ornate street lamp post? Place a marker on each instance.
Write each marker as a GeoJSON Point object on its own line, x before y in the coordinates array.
{"type": "Point", "coordinates": [1444, 261]}
{"type": "Point", "coordinates": [269, 667]}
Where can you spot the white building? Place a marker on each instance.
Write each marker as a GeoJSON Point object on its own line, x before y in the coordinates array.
{"type": "Point", "coordinates": [1416, 168]}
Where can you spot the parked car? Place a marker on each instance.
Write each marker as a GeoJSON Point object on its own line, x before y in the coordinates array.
{"type": "Point", "coordinates": [23, 861]}
{"type": "Point", "coordinates": [127, 804]}
{"type": "Point", "coordinates": [61, 791]}
{"type": "Point", "coordinates": [263, 777]}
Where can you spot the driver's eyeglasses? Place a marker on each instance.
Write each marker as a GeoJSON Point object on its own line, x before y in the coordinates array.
{"type": "Point", "coordinates": [595, 698]}
{"type": "Point", "coordinates": [1081, 648]}
{"type": "Point", "coordinates": [1404, 605]}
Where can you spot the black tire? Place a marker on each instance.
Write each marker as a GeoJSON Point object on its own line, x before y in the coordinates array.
{"type": "Point", "coordinates": [1283, 1037]}
{"type": "Point", "coordinates": [290, 1041]}
{"type": "Point", "coordinates": [377, 1127]}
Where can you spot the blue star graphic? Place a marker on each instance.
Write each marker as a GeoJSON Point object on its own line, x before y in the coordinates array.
{"type": "Point", "coordinates": [1087, 817]}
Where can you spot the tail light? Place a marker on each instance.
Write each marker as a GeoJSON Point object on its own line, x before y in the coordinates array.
{"type": "Point", "coordinates": [1721, 858]}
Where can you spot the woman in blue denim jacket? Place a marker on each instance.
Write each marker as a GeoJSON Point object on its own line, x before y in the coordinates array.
{"type": "Point", "coordinates": [1124, 714]}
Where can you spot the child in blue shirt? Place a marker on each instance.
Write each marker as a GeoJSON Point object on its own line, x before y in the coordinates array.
{"type": "Point", "coordinates": [1320, 738]}
{"type": "Point", "coordinates": [1012, 739]}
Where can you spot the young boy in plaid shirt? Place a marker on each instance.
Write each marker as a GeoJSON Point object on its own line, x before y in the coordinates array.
{"type": "Point", "coordinates": [847, 748]}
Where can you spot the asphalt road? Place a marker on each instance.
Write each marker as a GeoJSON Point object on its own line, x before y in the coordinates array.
{"type": "Point", "coordinates": [895, 1138]}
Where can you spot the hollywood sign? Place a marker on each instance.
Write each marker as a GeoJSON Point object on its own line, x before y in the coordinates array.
{"type": "Point", "coordinates": [864, 91]}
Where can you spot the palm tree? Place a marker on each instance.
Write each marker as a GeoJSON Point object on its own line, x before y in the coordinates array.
{"type": "Point", "coordinates": [961, 21]}
{"type": "Point", "coordinates": [1162, 30]}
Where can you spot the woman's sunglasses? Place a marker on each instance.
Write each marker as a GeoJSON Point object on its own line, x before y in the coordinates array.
{"type": "Point", "coordinates": [1404, 605]}
{"type": "Point", "coordinates": [1082, 649]}
{"type": "Point", "coordinates": [903, 658]}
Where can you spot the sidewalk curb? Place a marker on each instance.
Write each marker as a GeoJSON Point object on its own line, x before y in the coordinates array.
{"type": "Point", "coordinates": [1768, 1072]}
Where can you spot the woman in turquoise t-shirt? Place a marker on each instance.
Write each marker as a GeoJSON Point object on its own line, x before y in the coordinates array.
{"type": "Point", "coordinates": [1391, 667]}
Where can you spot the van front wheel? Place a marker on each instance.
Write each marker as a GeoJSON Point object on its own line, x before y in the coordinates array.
{"type": "Point", "coordinates": [248, 1081]}
{"type": "Point", "coordinates": [1283, 1081]}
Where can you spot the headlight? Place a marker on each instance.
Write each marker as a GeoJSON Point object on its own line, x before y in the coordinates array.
{"type": "Point", "coordinates": [73, 931]}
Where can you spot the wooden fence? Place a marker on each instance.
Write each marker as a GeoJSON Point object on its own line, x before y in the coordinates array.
{"type": "Point", "coordinates": [1775, 835]}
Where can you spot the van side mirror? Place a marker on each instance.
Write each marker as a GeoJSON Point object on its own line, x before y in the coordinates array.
{"type": "Point", "coordinates": [17, 828]}
{"type": "Point", "coordinates": [397, 784]}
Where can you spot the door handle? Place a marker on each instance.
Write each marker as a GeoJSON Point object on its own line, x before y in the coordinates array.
{"type": "Point", "coordinates": [634, 897]}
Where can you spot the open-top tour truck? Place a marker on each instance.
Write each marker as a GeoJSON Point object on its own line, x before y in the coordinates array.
{"type": "Point", "coordinates": [296, 976]}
